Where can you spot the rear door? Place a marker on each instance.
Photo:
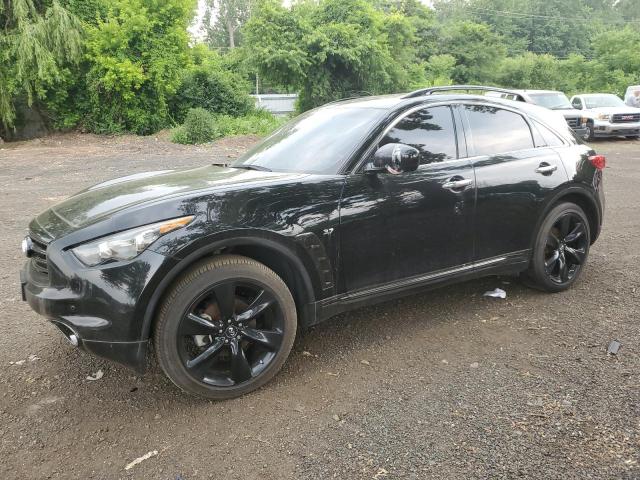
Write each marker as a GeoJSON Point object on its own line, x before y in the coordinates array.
{"type": "Point", "coordinates": [514, 173]}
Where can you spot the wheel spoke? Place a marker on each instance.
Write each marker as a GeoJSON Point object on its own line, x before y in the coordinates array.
{"type": "Point", "coordinates": [577, 255]}
{"type": "Point", "coordinates": [552, 240]}
{"type": "Point", "coordinates": [563, 269]}
{"type": "Point", "coordinates": [205, 357]}
{"type": "Point", "coordinates": [240, 368]}
{"type": "Point", "coordinates": [577, 232]}
{"type": "Point", "coordinates": [192, 324]}
{"type": "Point", "coordinates": [269, 339]}
{"type": "Point", "coordinates": [226, 298]}
{"type": "Point", "coordinates": [565, 224]}
{"type": "Point", "coordinates": [259, 305]}
{"type": "Point", "coordinates": [552, 261]}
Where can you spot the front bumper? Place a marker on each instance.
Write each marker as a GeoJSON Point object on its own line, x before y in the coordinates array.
{"type": "Point", "coordinates": [603, 128]}
{"type": "Point", "coordinates": [102, 307]}
{"type": "Point", "coordinates": [580, 131]}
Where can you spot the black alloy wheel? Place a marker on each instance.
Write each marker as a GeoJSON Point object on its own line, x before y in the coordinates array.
{"type": "Point", "coordinates": [566, 248]}
{"type": "Point", "coordinates": [561, 249]}
{"type": "Point", "coordinates": [230, 333]}
{"type": "Point", "coordinates": [225, 328]}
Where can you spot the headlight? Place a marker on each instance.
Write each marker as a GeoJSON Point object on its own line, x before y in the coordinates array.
{"type": "Point", "coordinates": [128, 244]}
{"type": "Point", "coordinates": [603, 116]}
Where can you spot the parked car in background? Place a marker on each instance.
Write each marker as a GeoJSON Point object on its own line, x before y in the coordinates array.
{"type": "Point", "coordinates": [347, 205]}
{"type": "Point", "coordinates": [632, 96]}
{"type": "Point", "coordinates": [607, 116]}
{"type": "Point", "coordinates": [551, 99]}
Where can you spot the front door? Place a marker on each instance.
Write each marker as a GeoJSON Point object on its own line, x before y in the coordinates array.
{"type": "Point", "coordinates": [394, 227]}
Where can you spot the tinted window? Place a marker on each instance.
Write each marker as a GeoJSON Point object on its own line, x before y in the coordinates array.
{"type": "Point", "coordinates": [545, 137]}
{"type": "Point", "coordinates": [430, 130]}
{"type": "Point", "coordinates": [494, 130]}
{"type": "Point", "coordinates": [318, 141]}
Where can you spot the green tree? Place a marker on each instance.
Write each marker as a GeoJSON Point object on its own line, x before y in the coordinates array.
{"type": "Point", "coordinates": [333, 49]}
{"type": "Point", "coordinates": [223, 19]}
{"type": "Point", "coordinates": [39, 40]}
{"type": "Point", "coordinates": [136, 56]}
{"type": "Point", "coordinates": [477, 49]}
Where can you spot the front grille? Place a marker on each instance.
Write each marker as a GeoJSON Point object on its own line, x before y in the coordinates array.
{"type": "Point", "coordinates": [625, 118]}
{"type": "Point", "coordinates": [573, 122]}
{"type": "Point", "coordinates": [39, 256]}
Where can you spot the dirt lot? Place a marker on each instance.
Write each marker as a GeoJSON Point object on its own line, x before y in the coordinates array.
{"type": "Point", "coordinates": [446, 384]}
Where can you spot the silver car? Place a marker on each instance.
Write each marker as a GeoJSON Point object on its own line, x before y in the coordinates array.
{"type": "Point", "coordinates": [607, 116]}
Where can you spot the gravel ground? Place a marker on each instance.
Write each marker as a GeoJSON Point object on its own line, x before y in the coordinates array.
{"type": "Point", "coordinates": [446, 384]}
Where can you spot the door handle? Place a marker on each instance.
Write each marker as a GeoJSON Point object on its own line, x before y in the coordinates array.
{"type": "Point", "coordinates": [545, 168]}
{"type": "Point", "coordinates": [457, 184]}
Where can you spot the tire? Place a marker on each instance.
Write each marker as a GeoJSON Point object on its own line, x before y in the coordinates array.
{"type": "Point", "coordinates": [223, 315]}
{"type": "Point", "coordinates": [563, 239]}
{"type": "Point", "coordinates": [589, 135]}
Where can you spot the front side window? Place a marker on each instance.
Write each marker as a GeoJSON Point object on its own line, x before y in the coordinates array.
{"type": "Point", "coordinates": [430, 130]}
{"type": "Point", "coordinates": [577, 103]}
{"type": "Point", "coordinates": [494, 130]}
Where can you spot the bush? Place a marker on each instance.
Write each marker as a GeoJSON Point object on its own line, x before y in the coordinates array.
{"type": "Point", "coordinates": [258, 122]}
{"type": "Point", "coordinates": [199, 127]}
{"type": "Point", "coordinates": [212, 88]}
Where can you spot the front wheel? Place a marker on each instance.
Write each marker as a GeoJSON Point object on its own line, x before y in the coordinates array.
{"type": "Point", "coordinates": [589, 135]}
{"type": "Point", "coordinates": [225, 328]}
{"type": "Point", "coordinates": [561, 248]}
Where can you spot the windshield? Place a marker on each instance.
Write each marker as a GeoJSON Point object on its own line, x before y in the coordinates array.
{"type": "Point", "coordinates": [554, 101]}
{"type": "Point", "coordinates": [599, 101]}
{"type": "Point", "coordinates": [318, 141]}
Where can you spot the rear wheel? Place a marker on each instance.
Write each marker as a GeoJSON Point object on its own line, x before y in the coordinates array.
{"type": "Point", "coordinates": [225, 328]}
{"type": "Point", "coordinates": [561, 248]}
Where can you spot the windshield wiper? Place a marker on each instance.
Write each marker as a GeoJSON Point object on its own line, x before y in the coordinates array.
{"type": "Point", "coordinates": [253, 167]}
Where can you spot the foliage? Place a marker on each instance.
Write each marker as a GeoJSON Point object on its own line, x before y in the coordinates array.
{"type": "Point", "coordinates": [199, 127]}
{"type": "Point", "coordinates": [333, 49]}
{"type": "Point", "coordinates": [208, 84]}
{"type": "Point", "coordinates": [136, 56]}
{"type": "Point", "coordinates": [39, 40]}
{"type": "Point", "coordinates": [223, 19]}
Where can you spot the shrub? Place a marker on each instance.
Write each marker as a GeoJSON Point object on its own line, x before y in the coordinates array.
{"type": "Point", "coordinates": [199, 127]}
{"type": "Point", "coordinates": [212, 88]}
{"type": "Point", "coordinates": [258, 122]}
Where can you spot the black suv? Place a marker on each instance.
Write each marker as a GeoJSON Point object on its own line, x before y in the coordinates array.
{"type": "Point", "coordinates": [352, 203]}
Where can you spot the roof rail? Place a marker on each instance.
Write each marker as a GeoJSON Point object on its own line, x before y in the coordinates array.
{"type": "Point", "coordinates": [448, 88]}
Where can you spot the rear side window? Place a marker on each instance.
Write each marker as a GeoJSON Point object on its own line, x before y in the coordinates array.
{"type": "Point", "coordinates": [494, 130]}
{"type": "Point", "coordinates": [430, 130]}
{"type": "Point", "coordinates": [545, 137]}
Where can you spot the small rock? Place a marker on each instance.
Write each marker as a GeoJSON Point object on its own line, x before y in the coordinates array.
{"type": "Point", "coordinates": [19, 362]}
{"type": "Point", "coordinates": [336, 418]}
{"type": "Point", "coordinates": [299, 408]}
{"type": "Point", "coordinates": [307, 354]}
{"type": "Point", "coordinates": [444, 361]}
{"type": "Point", "coordinates": [365, 362]}
{"type": "Point", "coordinates": [474, 365]}
{"type": "Point", "coordinates": [96, 376]}
{"type": "Point", "coordinates": [157, 416]}
{"type": "Point", "coordinates": [33, 358]}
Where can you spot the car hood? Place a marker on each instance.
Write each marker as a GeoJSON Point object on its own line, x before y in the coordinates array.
{"type": "Point", "coordinates": [105, 199]}
{"type": "Point", "coordinates": [615, 110]}
{"type": "Point", "coordinates": [568, 112]}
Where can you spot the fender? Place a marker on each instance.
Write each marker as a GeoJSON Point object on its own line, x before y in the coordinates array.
{"type": "Point", "coordinates": [572, 189]}
{"type": "Point", "coordinates": [209, 245]}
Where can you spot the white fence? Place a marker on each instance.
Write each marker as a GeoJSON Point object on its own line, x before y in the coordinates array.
{"type": "Point", "coordinates": [277, 103]}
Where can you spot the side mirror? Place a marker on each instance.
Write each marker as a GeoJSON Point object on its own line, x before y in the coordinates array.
{"type": "Point", "coordinates": [395, 158]}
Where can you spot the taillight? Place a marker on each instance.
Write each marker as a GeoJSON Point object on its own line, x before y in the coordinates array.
{"type": "Point", "coordinates": [598, 161]}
